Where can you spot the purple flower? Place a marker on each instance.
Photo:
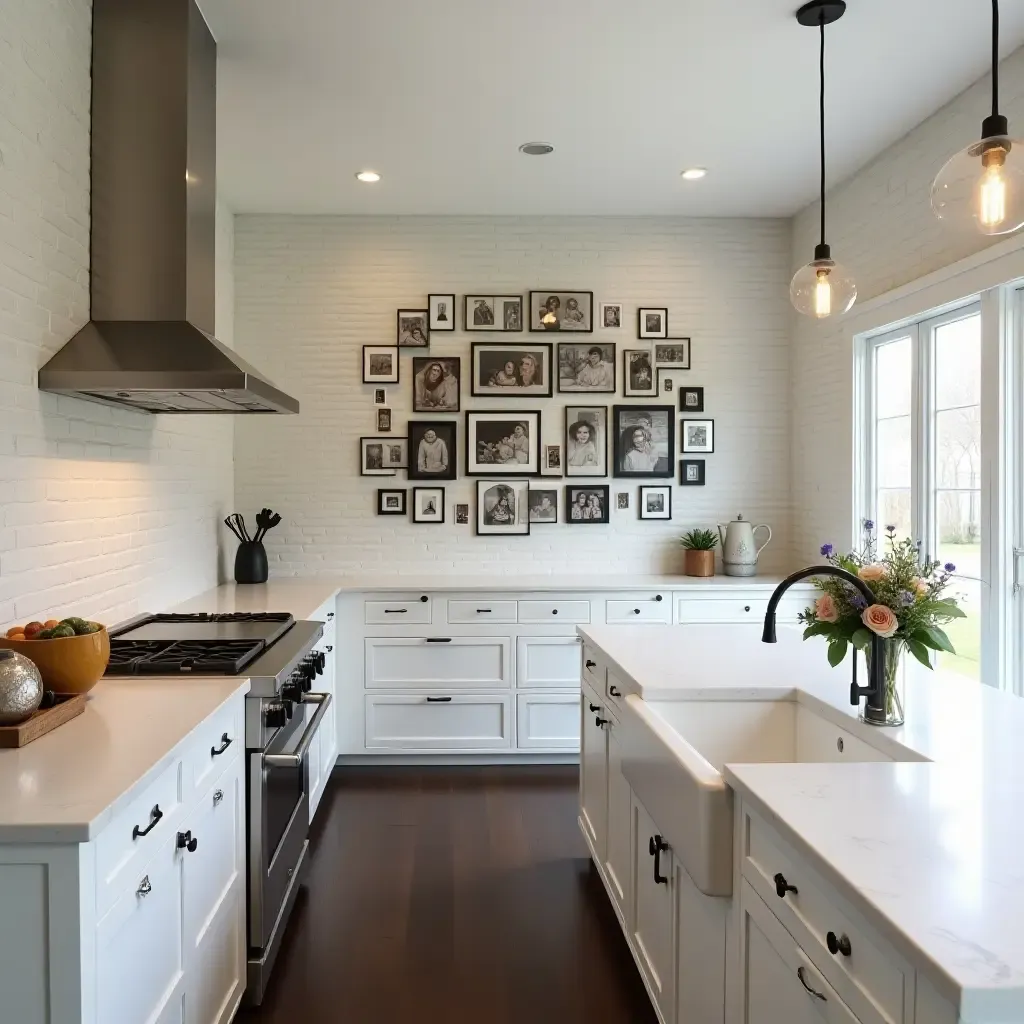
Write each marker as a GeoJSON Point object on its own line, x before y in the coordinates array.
{"type": "Point", "coordinates": [890, 529]}
{"type": "Point", "coordinates": [869, 524]}
{"type": "Point", "coordinates": [907, 598]}
{"type": "Point", "coordinates": [826, 550]}
{"type": "Point", "coordinates": [857, 600]}
{"type": "Point", "coordinates": [949, 567]}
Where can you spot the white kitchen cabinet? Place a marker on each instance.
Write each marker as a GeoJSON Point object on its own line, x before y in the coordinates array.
{"type": "Point", "coordinates": [548, 661]}
{"type": "Point", "coordinates": [478, 662]}
{"type": "Point", "coordinates": [645, 608]}
{"type": "Point", "coordinates": [417, 721]}
{"type": "Point", "coordinates": [323, 752]}
{"type": "Point", "coordinates": [593, 771]}
{"type": "Point", "coordinates": [618, 862]}
{"type": "Point", "coordinates": [545, 721]}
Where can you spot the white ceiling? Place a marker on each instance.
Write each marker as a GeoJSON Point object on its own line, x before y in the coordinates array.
{"type": "Point", "coordinates": [438, 94]}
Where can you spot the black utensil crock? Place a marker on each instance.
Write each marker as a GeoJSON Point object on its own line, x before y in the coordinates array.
{"type": "Point", "coordinates": [251, 563]}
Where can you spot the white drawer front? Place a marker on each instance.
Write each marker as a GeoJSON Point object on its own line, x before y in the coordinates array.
{"type": "Point", "coordinates": [643, 609]}
{"type": "Point", "coordinates": [401, 612]}
{"type": "Point", "coordinates": [721, 609]}
{"type": "Point", "coordinates": [439, 662]}
{"type": "Point", "coordinates": [594, 672]}
{"type": "Point", "coordinates": [482, 610]}
{"type": "Point", "coordinates": [439, 721]}
{"type": "Point", "coordinates": [547, 661]}
{"type": "Point", "coordinates": [548, 721]}
{"type": "Point", "coordinates": [554, 611]}
{"type": "Point", "coordinates": [218, 741]}
{"type": "Point", "coordinates": [120, 851]}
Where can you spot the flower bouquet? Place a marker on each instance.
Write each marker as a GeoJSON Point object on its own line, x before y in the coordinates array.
{"type": "Point", "coordinates": [908, 611]}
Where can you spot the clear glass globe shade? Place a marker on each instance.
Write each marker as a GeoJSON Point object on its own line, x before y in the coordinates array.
{"type": "Point", "coordinates": [822, 289]}
{"type": "Point", "coordinates": [981, 189]}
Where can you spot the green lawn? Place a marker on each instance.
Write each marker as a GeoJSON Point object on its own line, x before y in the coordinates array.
{"type": "Point", "coordinates": [965, 634]}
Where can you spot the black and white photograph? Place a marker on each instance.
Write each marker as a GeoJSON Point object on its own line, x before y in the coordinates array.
{"type": "Point", "coordinates": [586, 503]}
{"type": "Point", "coordinates": [494, 312]}
{"type": "Point", "coordinates": [652, 322]}
{"type": "Point", "coordinates": [552, 460]}
{"type": "Point", "coordinates": [511, 371]}
{"type": "Point", "coordinates": [586, 440]}
{"type": "Point", "coordinates": [691, 399]}
{"type": "Point", "coordinates": [644, 437]}
{"type": "Point", "coordinates": [691, 473]}
{"type": "Point", "coordinates": [502, 442]}
{"type": "Point", "coordinates": [383, 421]}
{"type": "Point", "coordinates": [698, 437]}
{"type": "Point", "coordinates": [586, 367]}
{"type": "Point", "coordinates": [380, 364]}
{"type": "Point", "coordinates": [562, 311]}
{"type": "Point", "coordinates": [543, 504]}
{"type": "Point", "coordinates": [611, 315]}
{"type": "Point", "coordinates": [503, 506]}
{"type": "Point", "coordinates": [462, 514]}
{"type": "Point", "coordinates": [442, 312]}
{"type": "Point", "coordinates": [432, 451]}
{"type": "Point", "coordinates": [380, 396]}
{"type": "Point", "coordinates": [428, 504]}
{"type": "Point", "coordinates": [436, 383]}
{"type": "Point", "coordinates": [640, 379]}
{"type": "Point", "coordinates": [390, 502]}
{"type": "Point", "coordinates": [622, 500]}
{"type": "Point", "coordinates": [656, 502]}
{"type": "Point", "coordinates": [666, 383]}
{"type": "Point", "coordinates": [382, 456]}
{"type": "Point", "coordinates": [674, 353]}
{"type": "Point", "coordinates": [413, 328]}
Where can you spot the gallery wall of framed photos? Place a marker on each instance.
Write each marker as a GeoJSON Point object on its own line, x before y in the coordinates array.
{"type": "Point", "coordinates": [533, 383]}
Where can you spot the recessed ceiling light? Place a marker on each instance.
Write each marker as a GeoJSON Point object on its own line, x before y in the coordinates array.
{"type": "Point", "coordinates": [694, 173]}
{"type": "Point", "coordinates": [368, 176]}
{"type": "Point", "coordinates": [536, 148]}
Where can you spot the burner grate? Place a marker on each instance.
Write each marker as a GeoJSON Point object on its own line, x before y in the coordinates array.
{"type": "Point", "coordinates": [202, 657]}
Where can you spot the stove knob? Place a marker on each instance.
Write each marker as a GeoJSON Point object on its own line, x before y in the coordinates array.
{"type": "Point", "coordinates": [276, 716]}
{"type": "Point", "coordinates": [321, 662]}
{"type": "Point", "coordinates": [292, 691]}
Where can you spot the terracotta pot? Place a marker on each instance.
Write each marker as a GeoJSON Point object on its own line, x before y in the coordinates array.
{"type": "Point", "coordinates": [72, 664]}
{"type": "Point", "coordinates": [700, 563]}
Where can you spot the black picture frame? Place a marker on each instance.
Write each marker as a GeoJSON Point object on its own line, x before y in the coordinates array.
{"type": "Point", "coordinates": [578, 460]}
{"type": "Point", "coordinates": [424, 402]}
{"type": "Point", "coordinates": [644, 329]}
{"type": "Point", "coordinates": [384, 419]}
{"type": "Point", "coordinates": [686, 449]}
{"type": "Point", "coordinates": [672, 353]}
{"type": "Point", "coordinates": [698, 399]}
{"type": "Point", "coordinates": [609, 360]}
{"type": "Point", "coordinates": [398, 492]}
{"type": "Point", "coordinates": [539, 491]}
{"type": "Point", "coordinates": [444, 430]}
{"type": "Point", "coordinates": [572, 492]}
{"type": "Point", "coordinates": [477, 468]}
{"type": "Point", "coordinates": [564, 295]}
{"type": "Point", "coordinates": [504, 319]}
{"type": "Point", "coordinates": [520, 491]}
{"type": "Point", "coordinates": [518, 350]}
{"type": "Point", "coordinates": [664, 516]}
{"type": "Point", "coordinates": [441, 311]}
{"type": "Point", "coordinates": [698, 465]}
{"type": "Point", "coordinates": [416, 491]}
{"type": "Point", "coordinates": [625, 464]}
{"type": "Point", "coordinates": [403, 331]}
{"type": "Point", "coordinates": [390, 378]}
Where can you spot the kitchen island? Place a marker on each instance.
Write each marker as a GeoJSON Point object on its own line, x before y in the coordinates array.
{"type": "Point", "coordinates": [873, 872]}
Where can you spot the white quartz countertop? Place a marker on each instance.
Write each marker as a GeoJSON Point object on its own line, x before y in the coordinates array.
{"type": "Point", "coordinates": [65, 786]}
{"type": "Point", "coordinates": [931, 849]}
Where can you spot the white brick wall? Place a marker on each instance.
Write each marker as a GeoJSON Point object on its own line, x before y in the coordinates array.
{"type": "Point", "coordinates": [102, 511]}
{"type": "Point", "coordinates": [881, 226]}
{"type": "Point", "coordinates": [311, 291]}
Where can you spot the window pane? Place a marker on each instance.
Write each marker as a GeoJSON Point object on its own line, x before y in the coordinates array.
{"type": "Point", "coordinates": [893, 509]}
{"type": "Point", "coordinates": [958, 447]}
{"type": "Point", "coordinates": [892, 452]}
{"type": "Point", "coordinates": [965, 634]}
{"type": "Point", "coordinates": [958, 363]}
{"type": "Point", "coordinates": [893, 379]}
{"type": "Point", "coordinates": [893, 384]}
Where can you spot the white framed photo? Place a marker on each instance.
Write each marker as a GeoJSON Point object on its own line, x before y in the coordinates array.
{"type": "Point", "coordinates": [656, 502]}
{"type": "Point", "coordinates": [383, 456]}
{"type": "Point", "coordinates": [413, 328]}
{"type": "Point", "coordinates": [611, 315]}
{"type": "Point", "coordinates": [503, 506]}
{"type": "Point", "coordinates": [652, 322]}
{"type": "Point", "coordinates": [428, 504]}
{"type": "Point", "coordinates": [543, 505]}
{"type": "Point", "coordinates": [640, 379]}
{"type": "Point", "coordinates": [673, 354]}
{"type": "Point", "coordinates": [380, 364]}
{"type": "Point", "coordinates": [698, 437]}
{"type": "Point", "coordinates": [441, 309]}
{"type": "Point", "coordinates": [502, 442]}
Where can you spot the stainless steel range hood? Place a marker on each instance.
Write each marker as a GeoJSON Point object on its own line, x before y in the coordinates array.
{"type": "Point", "coordinates": [150, 344]}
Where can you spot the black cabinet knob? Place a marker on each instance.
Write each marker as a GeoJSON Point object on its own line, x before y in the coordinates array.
{"type": "Point", "coordinates": [595, 707]}
{"type": "Point", "coordinates": [746, 607]}
{"type": "Point", "coordinates": [600, 722]}
{"type": "Point", "coordinates": [659, 598]}
{"type": "Point", "coordinates": [424, 599]}
{"type": "Point", "coordinates": [187, 842]}
{"type": "Point", "coordinates": [636, 611]}
{"type": "Point", "coordinates": [591, 664]}
{"type": "Point", "coordinates": [554, 611]}
{"type": "Point", "coordinates": [840, 944]}
{"type": "Point", "coordinates": [782, 886]}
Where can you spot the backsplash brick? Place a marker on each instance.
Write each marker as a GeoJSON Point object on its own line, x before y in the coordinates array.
{"type": "Point", "coordinates": [103, 511]}
{"type": "Point", "coordinates": [311, 291]}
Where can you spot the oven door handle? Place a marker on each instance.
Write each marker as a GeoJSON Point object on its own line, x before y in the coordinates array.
{"type": "Point", "coordinates": [295, 760]}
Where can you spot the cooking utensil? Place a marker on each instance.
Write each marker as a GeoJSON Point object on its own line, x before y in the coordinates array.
{"type": "Point", "coordinates": [237, 526]}
{"type": "Point", "coordinates": [266, 520]}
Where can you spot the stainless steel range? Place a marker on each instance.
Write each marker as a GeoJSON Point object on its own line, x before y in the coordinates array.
{"type": "Point", "coordinates": [282, 715]}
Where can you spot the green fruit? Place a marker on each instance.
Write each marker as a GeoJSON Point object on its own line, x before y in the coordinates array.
{"type": "Point", "coordinates": [75, 623]}
{"type": "Point", "coordinates": [90, 627]}
{"type": "Point", "coordinates": [61, 631]}
{"type": "Point", "coordinates": [44, 634]}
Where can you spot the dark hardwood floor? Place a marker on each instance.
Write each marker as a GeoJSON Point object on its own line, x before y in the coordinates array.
{"type": "Point", "coordinates": [452, 896]}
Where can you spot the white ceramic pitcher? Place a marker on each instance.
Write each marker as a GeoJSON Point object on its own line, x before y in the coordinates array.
{"type": "Point", "coordinates": [739, 548]}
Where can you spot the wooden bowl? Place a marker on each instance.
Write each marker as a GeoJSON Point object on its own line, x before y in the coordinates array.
{"type": "Point", "coordinates": [68, 664]}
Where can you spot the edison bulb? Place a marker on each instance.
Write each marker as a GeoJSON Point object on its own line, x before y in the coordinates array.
{"type": "Point", "coordinates": [822, 288]}
{"type": "Point", "coordinates": [823, 295]}
{"type": "Point", "coordinates": [982, 188]}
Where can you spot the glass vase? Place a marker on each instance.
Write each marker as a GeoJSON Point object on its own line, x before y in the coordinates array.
{"type": "Point", "coordinates": [895, 685]}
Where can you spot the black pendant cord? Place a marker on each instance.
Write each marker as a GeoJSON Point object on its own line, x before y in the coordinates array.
{"type": "Point", "coordinates": [821, 118]}
{"type": "Point", "coordinates": [995, 58]}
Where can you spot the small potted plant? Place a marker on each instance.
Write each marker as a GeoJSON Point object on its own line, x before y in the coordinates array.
{"type": "Point", "coordinates": [700, 552]}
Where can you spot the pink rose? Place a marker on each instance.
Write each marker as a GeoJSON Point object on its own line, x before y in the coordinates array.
{"type": "Point", "coordinates": [920, 588]}
{"type": "Point", "coordinates": [880, 620]}
{"type": "Point", "coordinates": [825, 609]}
{"type": "Point", "coordinates": [871, 573]}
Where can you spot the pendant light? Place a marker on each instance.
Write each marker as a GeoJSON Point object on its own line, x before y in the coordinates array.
{"type": "Point", "coordinates": [823, 287]}
{"type": "Point", "coordinates": [982, 187]}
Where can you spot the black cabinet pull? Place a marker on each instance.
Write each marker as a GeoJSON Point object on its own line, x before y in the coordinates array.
{"type": "Point", "coordinates": [439, 700]}
{"type": "Point", "coordinates": [186, 842]}
{"type": "Point", "coordinates": [439, 639]}
{"type": "Point", "coordinates": [840, 944]}
{"type": "Point", "coordinates": [396, 611]}
{"type": "Point", "coordinates": [554, 611]}
{"type": "Point", "coordinates": [483, 611]}
{"type": "Point", "coordinates": [225, 742]}
{"type": "Point", "coordinates": [595, 707]}
{"type": "Point", "coordinates": [614, 691]}
{"type": "Point", "coordinates": [782, 886]}
{"type": "Point", "coordinates": [746, 607]}
{"type": "Point", "coordinates": [803, 981]}
{"type": "Point", "coordinates": [659, 598]}
{"type": "Point", "coordinates": [591, 664]}
{"type": "Point", "coordinates": [424, 599]}
{"type": "Point", "coordinates": [654, 848]}
{"type": "Point", "coordinates": [636, 611]}
{"type": "Point", "coordinates": [154, 817]}
{"type": "Point", "coordinates": [600, 722]}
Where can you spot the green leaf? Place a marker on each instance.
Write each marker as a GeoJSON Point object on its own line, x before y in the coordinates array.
{"type": "Point", "coordinates": [935, 638]}
{"type": "Point", "coordinates": [861, 639]}
{"type": "Point", "coordinates": [818, 629]}
{"type": "Point", "coordinates": [949, 609]}
{"type": "Point", "coordinates": [919, 651]}
{"type": "Point", "coordinates": [836, 652]}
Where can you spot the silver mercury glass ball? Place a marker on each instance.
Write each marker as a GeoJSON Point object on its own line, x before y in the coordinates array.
{"type": "Point", "coordinates": [21, 688]}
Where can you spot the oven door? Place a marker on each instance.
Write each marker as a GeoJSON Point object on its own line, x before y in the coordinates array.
{"type": "Point", "coordinates": [279, 817]}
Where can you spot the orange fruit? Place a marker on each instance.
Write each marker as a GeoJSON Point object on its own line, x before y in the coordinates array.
{"type": "Point", "coordinates": [50, 623]}
{"type": "Point", "coordinates": [15, 635]}
{"type": "Point", "coordinates": [15, 629]}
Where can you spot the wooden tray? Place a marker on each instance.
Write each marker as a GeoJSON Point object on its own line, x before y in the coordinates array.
{"type": "Point", "coordinates": [68, 706]}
